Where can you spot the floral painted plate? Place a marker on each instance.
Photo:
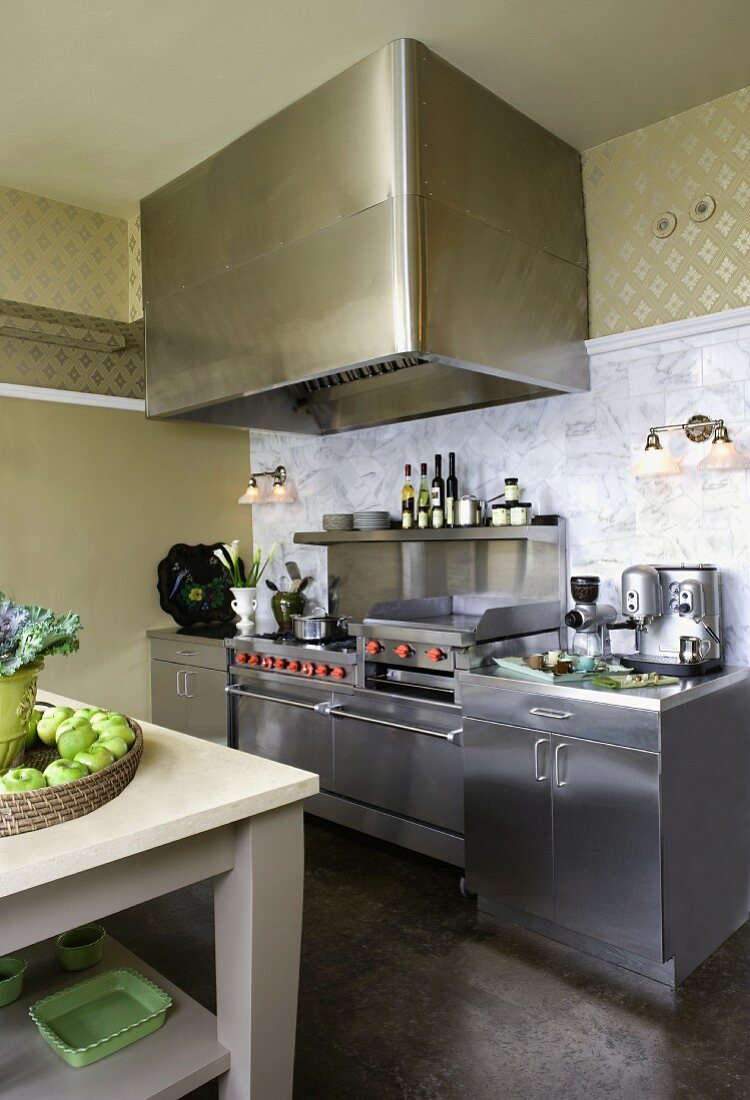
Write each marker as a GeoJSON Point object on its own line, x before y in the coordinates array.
{"type": "Point", "coordinates": [194, 585]}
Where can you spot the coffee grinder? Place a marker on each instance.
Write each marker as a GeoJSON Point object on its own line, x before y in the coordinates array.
{"type": "Point", "coordinates": [590, 619]}
{"type": "Point", "coordinates": [674, 611]}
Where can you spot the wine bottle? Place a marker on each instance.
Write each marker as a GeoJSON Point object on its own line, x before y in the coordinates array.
{"type": "Point", "coordinates": [407, 500]}
{"type": "Point", "coordinates": [423, 499]}
{"type": "Point", "coordinates": [437, 495]}
{"type": "Point", "coordinates": [451, 492]}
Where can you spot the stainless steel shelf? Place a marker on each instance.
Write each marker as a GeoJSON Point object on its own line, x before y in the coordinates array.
{"type": "Point", "coordinates": [552, 533]}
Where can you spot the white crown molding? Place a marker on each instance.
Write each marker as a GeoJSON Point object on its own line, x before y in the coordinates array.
{"type": "Point", "coordinates": [689, 328]}
{"type": "Point", "coordinates": [71, 397]}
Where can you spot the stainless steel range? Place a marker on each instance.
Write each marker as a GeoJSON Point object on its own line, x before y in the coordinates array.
{"type": "Point", "coordinates": [378, 716]}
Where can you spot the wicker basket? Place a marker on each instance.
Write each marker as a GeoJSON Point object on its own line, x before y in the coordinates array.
{"type": "Point", "coordinates": [25, 811]}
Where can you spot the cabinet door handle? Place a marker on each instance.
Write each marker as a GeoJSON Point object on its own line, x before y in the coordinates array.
{"type": "Point", "coordinates": [187, 652]}
{"type": "Point", "coordinates": [559, 781]}
{"type": "Point", "coordinates": [539, 778]}
{"type": "Point", "coordinates": [188, 693]}
{"type": "Point", "coordinates": [180, 672]}
{"type": "Point", "coordinates": [543, 712]}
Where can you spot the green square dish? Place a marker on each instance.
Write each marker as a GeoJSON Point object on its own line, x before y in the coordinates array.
{"type": "Point", "coordinates": [97, 1017]}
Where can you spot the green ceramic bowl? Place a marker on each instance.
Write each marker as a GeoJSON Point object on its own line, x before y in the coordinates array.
{"type": "Point", "coordinates": [80, 947]}
{"type": "Point", "coordinates": [11, 979]}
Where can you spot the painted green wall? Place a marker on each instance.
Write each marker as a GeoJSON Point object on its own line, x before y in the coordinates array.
{"type": "Point", "coordinates": [90, 501]}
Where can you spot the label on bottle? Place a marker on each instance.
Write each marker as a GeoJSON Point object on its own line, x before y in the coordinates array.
{"type": "Point", "coordinates": [407, 516]}
{"type": "Point", "coordinates": [437, 517]}
{"type": "Point", "coordinates": [450, 506]}
{"type": "Point", "coordinates": [423, 519]}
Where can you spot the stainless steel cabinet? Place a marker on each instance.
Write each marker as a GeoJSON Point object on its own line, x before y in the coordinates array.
{"type": "Point", "coordinates": [187, 696]}
{"type": "Point", "coordinates": [509, 815]}
{"type": "Point", "coordinates": [568, 830]}
{"type": "Point", "coordinates": [607, 847]}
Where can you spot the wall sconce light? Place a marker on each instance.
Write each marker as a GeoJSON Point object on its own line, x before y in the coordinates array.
{"type": "Point", "coordinates": [280, 491]}
{"type": "Point", "coordinates": [722, 454]}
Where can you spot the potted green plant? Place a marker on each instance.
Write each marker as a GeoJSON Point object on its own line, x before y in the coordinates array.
{"type": "Point", "coordinates": [244, 587]}
{"type": "Point", "coordinates": [28, 634]}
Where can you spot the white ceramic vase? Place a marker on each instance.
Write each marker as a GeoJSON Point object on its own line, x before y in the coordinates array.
{"type": "Point", "coordinates": [244, 604]}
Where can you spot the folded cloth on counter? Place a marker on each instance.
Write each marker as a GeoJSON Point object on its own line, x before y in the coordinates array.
{"type": "Point", "coordinates": [634, 680]}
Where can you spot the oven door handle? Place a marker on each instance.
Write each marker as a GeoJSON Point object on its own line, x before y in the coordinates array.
{"type": "Point", "coordinates": [337, 711]}
{"type": "Point", "coordinates": [321, 708]}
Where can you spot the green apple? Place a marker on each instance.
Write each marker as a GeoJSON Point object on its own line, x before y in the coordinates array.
{"type": "Point", "coordinates": [22, 779]}
{"type": "Point", "coordinates": [49, 722]}
{"type": "Point", "coordinates": [117, 726]}
{"type": "Point", "coordinates": [87, 712]}
{"type": "Point", "coordinates": [109, 716]}
{"type": "Point", "coordinates": [95, 758]}
{"type": "Point", "coordinates": [117, 745]}
{"type": "Point", "coordinates": [74, 739]}
{"type": "Point", "coordinates": [34, 719]}
{"type": "Point", "coordinates": [64, 771]}
{"type": "Point", "coordinates": [72, 723]}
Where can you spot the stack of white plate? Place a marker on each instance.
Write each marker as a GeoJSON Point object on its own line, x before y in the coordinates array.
{"type": "Point", "coordinates": [372, 521]}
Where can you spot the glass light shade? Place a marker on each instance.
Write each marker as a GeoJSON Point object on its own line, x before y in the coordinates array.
{"type": "Point", "coordinates": [723, 455]}
{"type": "Point", "coordinates": [655, 460]}
{"type": "Point", "coordinates": [252, 494]}
{"type": "Point", "coordinates": [282, 493]}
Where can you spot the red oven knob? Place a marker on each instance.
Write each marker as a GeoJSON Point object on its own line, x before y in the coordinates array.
{"type": "Point", "coordinates": [374, 647]}
{"type": "Point", "coordinates": [241, 658]}
{"type": "Point", "coordinates": [403, 651]}
{"type": "Point", "coordinates": [266, 662]}
{"type": "Point", "coordinates": [308, 668]}
{"type": "Point", "coordinates": [253, 659]}
{"type": "Point", "coordinates": [322, 670]}
{"type": "Point", "coordinates": [436, 654]}
{"type": "Point", "coordinates": [279, 663]}
{"type": "Point", "coordinates": [293, 666]}
{"type": "Point", "coordinates": [338, 672]}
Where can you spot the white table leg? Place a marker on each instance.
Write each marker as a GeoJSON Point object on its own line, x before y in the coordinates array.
{"type": "Point", "coordinates": [258, 913]}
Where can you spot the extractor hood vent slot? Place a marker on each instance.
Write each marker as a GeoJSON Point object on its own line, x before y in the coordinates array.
{"type": "Point", "coordinates": [356, 374]}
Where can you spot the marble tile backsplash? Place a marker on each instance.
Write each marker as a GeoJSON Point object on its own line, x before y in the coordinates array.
{"type": "Point", "coordinates": [573, 456]}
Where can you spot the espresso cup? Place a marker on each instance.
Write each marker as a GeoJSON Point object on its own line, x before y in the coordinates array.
{"type": "Point", "coordinates": [536, 660]}
{"type": "Point", "coordinates": [692, 651]}
{"type": "Point", "coordinates": [553, 656]}
{"type": "Point", "coordinates": [586, 664]}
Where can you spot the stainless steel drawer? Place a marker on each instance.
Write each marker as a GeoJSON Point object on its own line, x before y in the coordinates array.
{"type": "Point", "coordinates": [186, 651]}
{"type": "Point", "coordinates": [569, 717]}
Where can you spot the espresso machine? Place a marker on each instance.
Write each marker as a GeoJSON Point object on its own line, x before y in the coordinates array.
{"type": "Point", "coordinates": [590, 619]}
{"type": "Point", "coordinates": [674, 611]}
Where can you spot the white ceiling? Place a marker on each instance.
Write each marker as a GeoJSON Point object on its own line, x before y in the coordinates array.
{"type": "Point", "coordinates": [101, 101]}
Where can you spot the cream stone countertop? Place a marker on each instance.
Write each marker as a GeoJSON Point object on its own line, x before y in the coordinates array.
{"type": "Point", "coordinates": [182, 786]}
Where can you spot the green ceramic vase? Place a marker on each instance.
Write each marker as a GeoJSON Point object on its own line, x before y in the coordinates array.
{"type": "Point", "coordinates": [17, 698]}
{"type": "Point", "coordinates": [284, 605]}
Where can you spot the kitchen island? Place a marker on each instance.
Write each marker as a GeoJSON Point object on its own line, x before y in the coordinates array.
{"type": "Point", "coordinates": [193, 811]}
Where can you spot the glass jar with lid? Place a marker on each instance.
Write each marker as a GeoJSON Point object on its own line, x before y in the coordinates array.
{"type": "Point", "coordinates": [520, 513]}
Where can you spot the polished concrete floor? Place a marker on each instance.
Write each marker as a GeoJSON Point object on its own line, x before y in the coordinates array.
{"type": "Point", "coordinates": [406, 995]}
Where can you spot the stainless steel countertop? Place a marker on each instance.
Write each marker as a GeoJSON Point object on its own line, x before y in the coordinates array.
{"type": "Point", "coordinates": [652, 699]}
{"type": "Point", "coordinates": [206, 636]}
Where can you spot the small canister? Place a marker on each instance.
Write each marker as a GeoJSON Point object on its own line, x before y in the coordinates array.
{"type": "Point", "coordinates": [512, 492]}
{"type": "Point", "coordinates": [467, 511]}
{"type": "Point", "coordinates": [520, 513]}
{"type": "Point", "coordinates": [501, 515]}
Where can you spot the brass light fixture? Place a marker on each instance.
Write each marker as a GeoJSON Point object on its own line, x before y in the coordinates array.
{"type": "Point", "coordinates": [281, 490]}
{"type": "Point", "coordinates": [722, 454]}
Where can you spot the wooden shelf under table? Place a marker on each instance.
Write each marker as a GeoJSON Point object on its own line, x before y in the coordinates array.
{"type": "Point", "coordinates": [181, 1056]}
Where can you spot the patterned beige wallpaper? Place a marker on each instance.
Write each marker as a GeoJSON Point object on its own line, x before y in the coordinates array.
{"type": "Point", "coordinates": [638, 279]}
{"type": "Point", "coordinates": [135, 279]}
{"type": "Point", "coordinates": [62, 256]}
{"type": "Point", "coordinates": [54, 256]}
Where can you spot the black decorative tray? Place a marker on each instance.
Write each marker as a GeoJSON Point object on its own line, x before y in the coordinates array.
{"type": "Point", "coordinates": [194, 587]}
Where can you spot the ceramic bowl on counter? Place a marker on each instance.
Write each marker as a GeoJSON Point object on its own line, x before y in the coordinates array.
{"type": "Point", "coordinates": [338, 521]}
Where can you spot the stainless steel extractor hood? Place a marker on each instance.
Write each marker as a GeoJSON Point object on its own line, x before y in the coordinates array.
{"type": "Point", "coordinates": [399, 243]}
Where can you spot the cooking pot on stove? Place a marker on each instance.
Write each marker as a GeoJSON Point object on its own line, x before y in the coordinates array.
{"type": "Point", "coordinates": [319, 626]}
